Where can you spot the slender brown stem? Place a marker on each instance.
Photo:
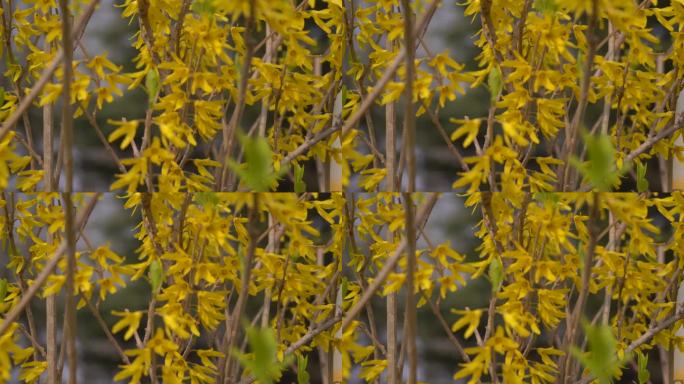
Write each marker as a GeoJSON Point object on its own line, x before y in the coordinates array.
{"type": "Point", "coordinates": [409, 117]}
{"type": "Point", "coordinates": [67, 139]}
{"type": "Point", "coordinates": [390, 147]}
{"type": "Point", "coordinates": [48, 185]}
{"type": "Point", "coordinates": [103, 139]}
{"type": "Point", "coordinates": [445, 326]}
{"type": "Point", "coordinates": [106, 330]}
{"type": "Point", "coordinates": [646, 145]}
{"type": "Point", "coordinates": [390, 186]}
{"type": "Point", "coordinates": [410, 290]}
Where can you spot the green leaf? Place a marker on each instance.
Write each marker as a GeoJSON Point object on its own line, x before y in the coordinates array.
{"type": "Point", "coordinates": [152, 85]}
{"type": "Point", "coordinates": [545, 6]}
{"type": "Point", "coordinates": [257, 172]}
{"type": "Point", "coordinates": [264, 346]}
{"type": "Point", "coordinates": [642, 373]}
{"type": "Point", "coordinates": [547, 197]}
{"type": "Point", "coordinates": [203, 7]}
{"type": "Point", "coordinates": [2, 96]}
{"type": "Point", "coordinates": [302, 374]}
{"type": "Point", "coordinates": [579, 64]}
{"type": "Point", "coordinates": [582, 258]}
{"type": "Point", "coordinates": [241, 258]}
{"type": "Point", "coordinates": [206, 199]}
{"type": "Point", "coordinates": [299, 185]}
{"type": "Point", "coordinates": [495, 83]}
{"type": "Point", "coordinates": [496, 274]}
{"type": "Point", "coordinates": [344, 95]}
{"type": "Point", "coordinates": [262, 361]}
{"type": "Point", "coordinates": [599, 169]}
{"type": "Point", "coordinates": [3, 289]}
{"type": "Point", "coordinates": [155, 274]}
{"type": "Point", "coordinates": [344, 284]}
{"type": "Point", "coordinates": [642, 183]}
{"type": "Point", "coordinates": [600, 359]}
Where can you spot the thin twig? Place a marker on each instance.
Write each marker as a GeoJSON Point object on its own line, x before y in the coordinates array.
{"type": "Point", "coordinates": [106, 330]}
{"type": "Point", "coordinates": [410, 320]}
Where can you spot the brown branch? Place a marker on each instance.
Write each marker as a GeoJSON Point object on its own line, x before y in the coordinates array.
{"type": "Point", "coordinates": [108, 147]}
{"type": "Point", "coordinates": [36, 345]}
{"type": "Point", "coordinates": [147, 33]}
{"type": "Point", "coordinates": [646, 337]}
{"type": "Point", "coordinates": [646, 145]}
{"type": "Point", "coordinates": [390, 147]}
{"type": "Point", "coordinates": [106, 330]}
{"type": "Point", "coordinates": [445, 326]}
{"type": "Point", "coordinates": [313, 333]}
{"type": "Point", "coordinates": [178, 28]}
{"type": "Point", "coordinates": [410, 320]}
{"type": "Point", "coordinates": [67, 138]}
{"type": "Point", "coordinates": [392, 318]}
{"type": "Point", "coordinates": [409, 118]}
{"type": "Point", "coordinates": [442, 132]}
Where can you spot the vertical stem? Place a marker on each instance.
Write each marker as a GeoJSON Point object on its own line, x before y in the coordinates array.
{"type": "Point", "coordinates": [67, 116]}
{"type": "Point", "coordinates": [409, 117]}
{"type": "Point", "coordinates": [390, 186]}
{"type": "Point", "coordinates": [610, 55]}
{"type": "Point", "coordinates": [410, 293]}
{"type": "Point", "coordinates": [271, 247]}
{"type": "Point", "coordinates": [70, 317]}
{"type": "Point", "coordinates": [67, 138]}
{"type": "Point", "coordinates": [410, 128]}
{"type": "Point", "coordinates": [48, 180]}
{"type": "Point", "coordinates": [51, 331]}
{"type": "Point", "coordinates": [392, 334]}
{"type": "Point", "coordinates": [48, 184]}
{"type": "Point", "coordinates": [263, 118]}
{"type": "Point", "coordinates": [390, 147]}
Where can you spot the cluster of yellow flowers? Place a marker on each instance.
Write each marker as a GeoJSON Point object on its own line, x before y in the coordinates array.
{"type": "Point", "coordinates": [248, 97]}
